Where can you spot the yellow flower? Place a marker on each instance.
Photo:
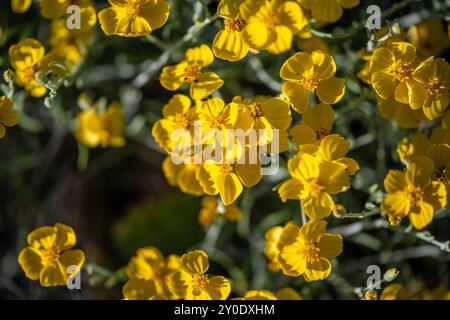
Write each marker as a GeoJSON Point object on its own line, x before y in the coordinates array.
{"type": "Point", "coordinates": [417, 146]}
{"type": "Point", "coordinates": [412, 193]}
{"type": "Point", "coordinates": [183, 176]}
{"type": "Point", "coordinates": [308, 42]}
{"type": "Point", "coordinates": [140, 289]}
{"type": "Point", "coordinates": [371, 295]}
{"type": "Point", "coordinates": [20, 6]}
{"type": "Point", "coordinates": [392, 292]}
{"type": "Point", "coordinates": [288, 294]}
{"type": "Point", "coordinates": [314, 182]}
{"type": "Point", "coordinates": [150, 264]}
{"type": "Point", "coordinates": [429, 37]}
{"type": "Point", "coordinates": [440, 155]}
{"type": "Point", "coordinates": [8, 116]}
{"type": "Point", "coordinates": [308, 73]}
{"type": "Point", "coordinates": [258, 295]}
{"type": "Point", "coordinates": [229, 43]}
{"type": "Point", "coordinates": [392, 70]}
{"type": "Point", "coordinates": [192, 283]}
{"type": "Point", "coordinates": [211, 210]}
{"type": "Point", "coordinates": [328, 10]}
{"type": "Point", "coordinates": [133, 18]}
{"type": "Point", "coordinates": [271, 24]}
{"type": "Point", "coordinates": [48, 258]}
{"type": "Point", "coordinates": [271, 251]}
{"type": "Point", "coordinates": [283, 294]}
{"type": "Point", "coordinates": [316, 124]}
{"type": "Point", "coordinates": [307, 250]}
{"type": "Point", "coordinates": [430, 87]}
{"type": "Point", "coordinates": [25, 57]}
{"type": "Point", "coordinates": [190, 71]}
{"type": "Point", "coordinates": [333, 148]}
{"type": "Point", "coordinates": [105, 129]}
{"type": "Point", "coordinates": [226, 179]}
{"type": "Point", "coordinates": [177, 115]}
{"type": "Point", "coordinates": [401, 113]}
{"type": "Point", "coordinates": [265, 114]}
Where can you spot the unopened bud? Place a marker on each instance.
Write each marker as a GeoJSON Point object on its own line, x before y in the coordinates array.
{"type": "Point", "coordinates": [391, 274]}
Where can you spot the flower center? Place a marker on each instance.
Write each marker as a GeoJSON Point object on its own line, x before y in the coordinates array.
{"type": "Point", "coordinates": [309, 84]}
{"type": "Point", "coordinates": [255, 110]}
{"type": "Point", "coordinates": [315, 188]}
{"type": "Point", "coordinates": [50, 256]}
{"type": "Point", "coordinates": [200, 282]}
{"type": "Point", "coordinates": [235, 24]}
{"type": "Point", "coordinates": [321, 133]}
{"type": "Point", "coordinates": [180, 121]}
{"type": "Point", "coordinates": [29, 73]}
{"type": "Point", "coordinates": [310, 252]}
{"type": "Point", "coordinates": [433, 86]}
{"type": "Point", "coordinates": [271, 19]}
{"type": "Point", "coordinates": [191, 72]}
{"type": "Point", "coordinates": [439, 175]}
{"type": "Point", "coordinates": [401, 70]}
{"type": "Point", "coordinates": [226, 168]}
{"type": "Point", "coordinates": [415, 194]}
{"type": "Point", "coordinates": [133, 8]}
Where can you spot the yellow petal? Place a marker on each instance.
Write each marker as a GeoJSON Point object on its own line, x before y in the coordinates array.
{"type": "Point", "coordinates": [330, 245]}
{"type": "Point", "coordinates": [201, 55]}
{"type": "Point", "coordinates": [31, 262]}
{"type": "Point", "coordinates": [65, 237]}
{"type": "Point", "coordinates": [297, 95]}
{"type": "Point", "coordinates": [318, 270]}
{"type": "Point", "coordinates": [195, 262]}
{"type": "Point", "coordinates": [52, 276]}
{"type": "Point", "coordinates": [331, 91]}
{"type": "Point", "coordinates": [296, 66]}
{"type": "Point", "coordinates": [207, 83]}
{"type": "Point", "coordinates": [384, 84]}
{"type": "Point", "coordinates": [229, 45]}
{"type": "Point", "coordinates": [258, 36]}
{"type": "Point", "coordinates": [424, 218]}
{"type": "Point", "coordinates": [282, 41]}
{"type": "Point", "coordinates": [318, 206]}
{"type": "Point", "coordinates": [229, 187]}
{"type": "Point", "coordinates": [291, 189]}
{"type": "Point", "coordinates": [218, 288]}
{"type": "Point", "coordinates": [394, 181]}
{"type": "Point", "coordinates": [327, 10]}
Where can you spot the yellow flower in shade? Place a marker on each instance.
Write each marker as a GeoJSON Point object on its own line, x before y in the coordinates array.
{"type": "Point", "coordinates": [177, 115]}
{"type": "Point", "coordinates": [228, 177]}
{"type": "Point", "coordinates": [192, 283]}
{"type": "Point", "coordinates": [264, 114]}
{"type": "Point", "coordinates": [21, 6]}
{"type": "Point", "coordinates": [150, 264]}
{"type": "Point", "coordinates": [413, 194]}
{"type": "Point", "coordinates": [133, 18]}
{"type": "Point", "coordinates": [183, 176]}
{"type": "Point", "coordinates": [429, 37]}
{"type": "Point", "coordinates": [212, 209]}
{"type": "Point", "coordinates": [430, 88]}
{"type": "Point", "coordinates": [271, 251]}
{"type": "Point", "coordinates": [54, 9]}
{"type": "Point", "coordinates": [308, 42]}
{"type": "Point", "coordinates": [283, 294]}
{"type": "Point", "coordinates": [307, 250]}
{"type": "Point", "coordinates": [308, 73]}
{"type": "Point", "coordinates": [392, 292]}
{"type": "Point", "coordinates": [418, 145]}
{"type": "Point", "coordinates": [328, 10]}
{"type": "Point", "coordinates": [316, 124]}
{"type": "Point", "coordinates": [49, 256]}
{"type": "Point", "coordinates": [288, 294]}
{"type": "Point", "coordinates": [313, 182]}
{"type": "Point", "coordinates": [140, 289]}
{"type": "Point", "coordinates": [401, 113]}
{"type": "Point", "coordinates": [8, 116]}
{"type": "Point", "coordinates": [271, 24]}
{"type": "Point", "coordinates": [190, 71]}
{"type": "Point", "coordinates": [101, 129]}
{"type": "Point", "coordinates": [25, 57]}
{"type": "Point", "coordinates": [440, 155]}
{"type": "Point", "coordinates": [229, 43]}
{"type": "Point", "coordinates": [392, 69]}
{"type": "Point", "coordinates": [258, 295]}
{"type": "Point", "coordinates": [333, 148]}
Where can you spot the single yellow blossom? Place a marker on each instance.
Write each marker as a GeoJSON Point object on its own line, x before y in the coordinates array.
{"type": "Point", "coordinates": [133, 18]}
{"type": "Point", "coordinates": [8, 116]}
{"type": "Point", "coordinates": [49, 256]}
{"type": "Point", "coordinates": [192, 283]}
{"type": "Point", "coordinates": [307, 250]}
{"type": "Point", "coordinates": [308, 73]}
{"type": "Point", "coordinates": [271, 251]}
{"type": "Point", "coordinates": [429, 37]}
{"type": "Point", "coordinates": [413, 194]}
{"type": "Point", "coordinates": [190, 71]}
{"type": "Point", "coordinates": [21, 6]}
{"type": "Point", "coordinates": [328, 10]}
